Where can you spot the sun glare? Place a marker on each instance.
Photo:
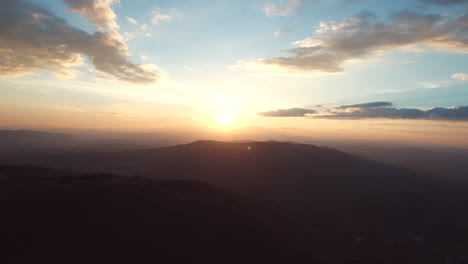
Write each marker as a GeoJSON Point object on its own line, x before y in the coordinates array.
{"type": "Point", "coordinates": [224, 117]}
{"type": "Point", "coordinates": [225, 109]}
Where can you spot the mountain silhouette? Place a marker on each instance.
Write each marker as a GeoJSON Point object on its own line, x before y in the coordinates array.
{"type": "Point", "coordinates": [64, 217]}
{"type": "Point", "coordinates": [338, 206]}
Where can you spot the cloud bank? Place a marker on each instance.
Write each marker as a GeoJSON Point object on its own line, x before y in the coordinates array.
{"type": "Point", "coordinates": [288, 112]}
{"type": "Point", "coordinates": [377, 110]}
{"type": "Point", "coordinates": [364, 105]}
{"type": "Point", "coordinates": [364, 36]}
{"type": "Point", "coordinates": [438, 113]}
{"type": "Point", "coordinates": [33, 38]}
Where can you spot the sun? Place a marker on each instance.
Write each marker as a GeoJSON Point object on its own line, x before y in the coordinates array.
{"type": "Point", "coordinates": [224, 117]}
{"type": "Point", "coordinates": [226, 110]}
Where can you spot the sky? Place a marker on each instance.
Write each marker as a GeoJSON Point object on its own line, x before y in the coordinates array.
{"type": "Point", "coordinates": [316, 67]}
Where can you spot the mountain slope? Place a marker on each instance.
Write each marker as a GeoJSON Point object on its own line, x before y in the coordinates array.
{"type": "Point", "coordinates": [338, 206]}
{"type": "Point", "coordinates": [324, 183]}
{"type": "Point", "coordinates": [61, 217]}
{"type": "Point", "coordinates": [291, 169]}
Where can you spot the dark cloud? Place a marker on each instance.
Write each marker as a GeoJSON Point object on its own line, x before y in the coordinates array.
{"type": "Point", "coordinates": [33, 38]}
{"type": "Point", "coordinates": [452, 113]}
{"type": "Point", "coordinates": [288, 112]}
{"type": "Point", "coordinates": [392, 113]}
{"type": "Point", "coordinates": [445, 2]}
{"type": "Point", "coordinates": [366, 105]}
{"type": "Point", "coordinates": [363, 36]}
{"type": "Point", "coordinates": [376, 110]}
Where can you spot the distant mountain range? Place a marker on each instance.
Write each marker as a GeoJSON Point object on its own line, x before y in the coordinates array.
{"type": "Point", "coordinates": [14, 143]}
{"type": "Point", "coordinates": [445, 162]}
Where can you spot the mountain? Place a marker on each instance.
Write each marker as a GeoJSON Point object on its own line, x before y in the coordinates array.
{"type": "Point", "coordinates": [340, 206]}
{"type": "Point", "coordinates": [53, 216]}
{"type": "Point", "coordinates": [13, 140]}
{"type": "Point", "coordinates": [445, 162]}
{"type": "Point", "coordinates": [21, 143]}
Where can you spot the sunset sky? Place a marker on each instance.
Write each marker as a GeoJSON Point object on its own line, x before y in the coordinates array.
{"type": "Point", "coordinates": [350, 69]}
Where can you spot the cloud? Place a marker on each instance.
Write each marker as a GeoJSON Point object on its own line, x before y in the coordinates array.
{"type": "Point", "coordinates": [128, 35]}
{"type": "Point", "coordinates": [288, 112]}
{"type": "Point", "coordinates": [283, 31]}
{"type": "Point", "coordinates": [33, 38]}
{"type": "Point", "coordinates": [159, 17]}
{"type": "Point", "coordinates": [408, 62]}
{"type": "Point", "coordinates": [363, 36]}
{"type": "Point", "coordinates": [375, 110]}
{"type": "Point", "coordinates": [365, 105]}
{"type": "Point", "coordinates": [132, 20]}
{"type": "Point", "coordinates": [285, 7]}
{"type": "Point", "coordinates": [429, 85]}
{"type": "Point", "coordinates": [460, 76]}
{"type": "Point", "coordinates": [98, 12]}
{"type": "Point", "coordinates": [384, 110]}
{"type": "Point", "coordinates": [445, 2]}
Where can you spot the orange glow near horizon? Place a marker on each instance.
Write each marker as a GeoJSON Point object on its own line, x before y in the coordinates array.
{"type": "Point", "coordinates": [231, 124]}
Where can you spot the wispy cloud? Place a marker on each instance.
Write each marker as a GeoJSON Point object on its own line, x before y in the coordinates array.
{"type": "Point", "coordinates": [429, 85]}
{"type": "Point", "coordinates": [132, 20]}
{"type": "Point", "coordinates": [407, 62]}
{"type": "Point", "coordinates": [159, 17]}
{"type": "Point", "coordinates": [364, 36]}
{"type": "Point", "coordinates": [128, 35]}
{"type": "Point", "coordinates": [285, 7]}
{"type": "Point", "coordinates": [460, 76]}
{"type": "Point", "coordinates": [288, 112]}
{"type": "Point", "coordinates": [283, 31]}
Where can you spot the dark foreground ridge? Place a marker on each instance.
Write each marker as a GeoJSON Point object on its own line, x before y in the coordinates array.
{"type": "Point", "coordinates": [50, 216]}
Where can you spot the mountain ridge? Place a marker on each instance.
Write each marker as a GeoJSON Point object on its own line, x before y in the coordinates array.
{"type": "Point", "coordinates": [331, 196]}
